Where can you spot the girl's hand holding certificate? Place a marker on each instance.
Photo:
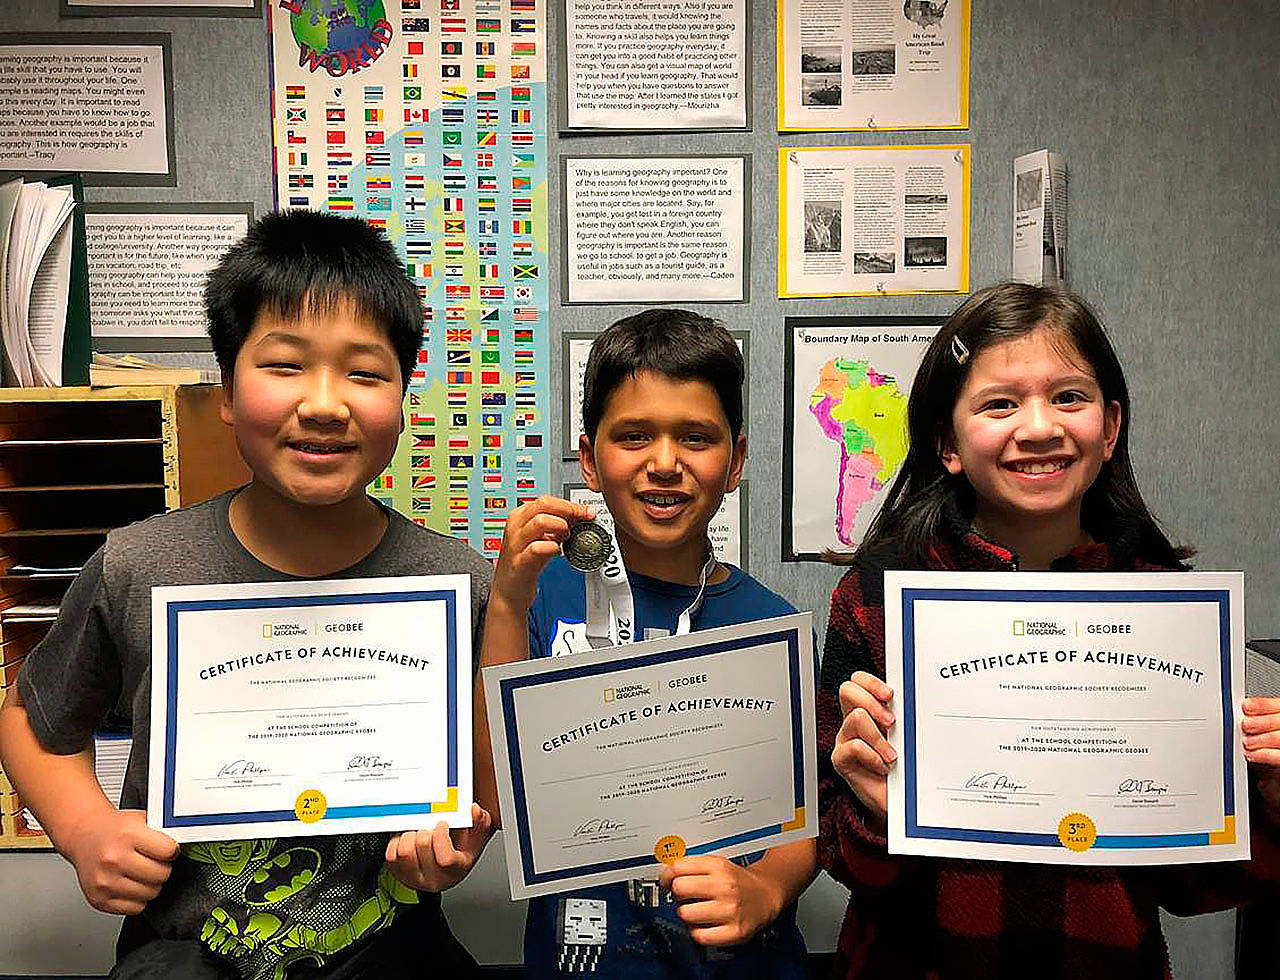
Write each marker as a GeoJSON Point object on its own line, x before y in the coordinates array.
{"type": "Point", "coordinates": [1261, 727]}
{"type": "Point", "coordinates": [863, 755]}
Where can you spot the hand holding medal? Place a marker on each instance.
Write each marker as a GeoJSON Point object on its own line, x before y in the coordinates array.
{"type": "Point", "coordinates": [534, 534]}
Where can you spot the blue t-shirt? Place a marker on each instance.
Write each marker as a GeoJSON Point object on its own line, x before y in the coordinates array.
{"type": "Point", "coordinates": [630, 930]}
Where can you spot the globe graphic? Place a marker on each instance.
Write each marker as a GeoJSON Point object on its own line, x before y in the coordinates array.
{"type": "Point", "coordinates": [336, 25]}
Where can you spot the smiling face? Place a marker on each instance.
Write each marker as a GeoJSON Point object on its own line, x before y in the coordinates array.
{"type": "Point", "coordinates": [1030, 430]}
{"type": "Point", "coordinates": [315, 403]}
{"type": "Point", "coordinates": [663, 457]}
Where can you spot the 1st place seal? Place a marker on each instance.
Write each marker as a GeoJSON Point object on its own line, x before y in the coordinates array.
{"type": "Point", "coordinates": [588, 546]}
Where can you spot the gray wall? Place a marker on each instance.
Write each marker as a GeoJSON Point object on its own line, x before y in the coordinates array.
{"type": "Point", "coordinates": [1165, 111]}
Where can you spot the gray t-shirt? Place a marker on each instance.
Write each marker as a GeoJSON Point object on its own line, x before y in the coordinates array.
{"type": "Point", "coordinates": [259, 903]}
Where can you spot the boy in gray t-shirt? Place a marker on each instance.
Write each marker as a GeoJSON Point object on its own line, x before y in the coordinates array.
{"type": "Point", "coordinates": [315, 328]}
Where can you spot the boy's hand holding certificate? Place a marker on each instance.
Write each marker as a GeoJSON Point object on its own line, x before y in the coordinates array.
{"type": "Point", "coordinates": [1072, 719]}
{"type": "Point", "coordinates": [614, 761]}
{"type": "Point", "coordinates": [310, 707]}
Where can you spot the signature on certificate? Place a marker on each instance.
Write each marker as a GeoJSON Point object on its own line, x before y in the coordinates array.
{"type": "Point", "coordinates": [368, 762]}
{"type": "Point", "coordinates": [721, 803]}
{"type": "Point", "coordinates": [597, 825]}
{"type": "Point", "coordinates": [993, 781]}
{"type": "Point", "coordinates": [242, 767]}
{"type": "Point", "coordinates": [1141, 787]}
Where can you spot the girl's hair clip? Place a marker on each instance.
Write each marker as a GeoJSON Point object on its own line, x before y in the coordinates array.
{"type": "Point", "coordinates": [959, 351]}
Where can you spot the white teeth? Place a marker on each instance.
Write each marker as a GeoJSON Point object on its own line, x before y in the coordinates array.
{"type": "Point", "coordinates": [661, 501]}
{"type": "Point", "coordinates": [1034, 468]}
{"type": "Point", "coordinates": [311, 447]}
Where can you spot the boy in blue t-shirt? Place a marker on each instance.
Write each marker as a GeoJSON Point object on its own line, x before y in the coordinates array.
{"type": "Point", "coordinates": [662, 412]}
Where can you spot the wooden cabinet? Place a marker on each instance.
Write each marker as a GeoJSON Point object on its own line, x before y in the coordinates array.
{"type": "Point", "coordinates": [75, 463]}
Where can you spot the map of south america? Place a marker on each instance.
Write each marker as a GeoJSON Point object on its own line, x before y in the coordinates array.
{"type": "Point", "coordinates": [864, 412]}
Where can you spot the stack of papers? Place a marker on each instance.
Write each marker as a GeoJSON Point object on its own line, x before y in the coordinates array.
{"type": "Point", "coordinates": [35, 277]}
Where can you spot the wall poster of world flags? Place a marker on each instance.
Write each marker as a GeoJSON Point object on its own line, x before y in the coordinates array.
{"type": "Point", "coordinates": [427, 118]}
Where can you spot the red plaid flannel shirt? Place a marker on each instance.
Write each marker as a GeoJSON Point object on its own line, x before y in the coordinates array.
{"type": "Point", "coordinates": [948, 919]}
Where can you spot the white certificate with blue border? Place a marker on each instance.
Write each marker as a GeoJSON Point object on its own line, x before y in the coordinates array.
{"type": "Point", "coordinates": [609, 760]}
{"type": "Point", "coordinates": [1067, 718]}
{"type": "Point", "coordinates": [310, 708]}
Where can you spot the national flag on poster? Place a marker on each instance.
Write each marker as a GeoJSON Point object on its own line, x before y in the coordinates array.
{"type": "Point", "coordinates": [450, 70]}
{"type": "Point", "coordinates": [525, 271]}
{"type": "Point", "coordinates": [297, 158]}
{"type": "Point", "coordinates": [415, 226]}
{"type": "Point", "coordinates": [459, 503]}
{"type": "Point", "coordinates": [491, 461]}
{"type": "Point", "coordinates": [335, 137]}
{"type": "Point", "coordinates": [341, 204]}
{"type": "Point", "coordinates": [523, 483]}
{"type": "Point", "coordinates": [301, 182]}
{"type": "Point", "coordinates": [453, 115]}
{"type": "Point", "coordinates": [454, 247]}
{"type": "Point", "coordinates": [409, 70]}
{"type": "Point", "coordinates": [455, 226]}
{"type": "Point", "coordinates": [415, 114]}
{"type": "Point", "coordinates": [523, 293]}
{"type": "Point", "coordinates": [412, 137]}
{"type": "Point", "coordinates": [521, 182]}
{"type": "Point", "coordinates": [453, 204]}
{"type": "Point", "coordinates": [410, 4]}
{"type": "Point", "coordinates": [487, 95]}
{"type": "Point", "coordinates": [373, 137]}
{"type": "Point", "coordinates": [488, 545]}
{"type": "Point", "coordinates": [335, 115]}
{"type": "Point", "coordinates": [490, 357]}
{"type": "Point", "coordinates": [451, 49]}
{"type": "Point", "coordinates": [522, 248]}
{"type": "Point", "coordinates": [524, 49]}
{"type": "Point", "coordinates": [295, 115]}
{"type": "Point", "coordinates": [338, 158]}
{"type": "Point", "coordinates": [488, 6]}
{"type": "Point", "coordinates": [462, 462]}
{"type": "Point", "coordinates": [415, 159]}
{"type": "Point", "coordinates": [489, 270]}
{"type": "Point", "coordinates": [491, 419]}
{"type": "Point", "coordinates": [420, 505]}
{"type": "Point", "coordinates": [295, 91]}
{"type": "Point", "coordinates": [373, 114]}
{"type": "Point", "coordinates": [494, 399]}
{"type": "Point", "coordinates": [531, 440]}
{"type": "Point", "coordinates": [487, 25]}
{"type": "Point", "coordinates": [455, 180]}
{"type": "Point", "coordinates": [452, 160]}
{"type": "Point", "coordinates": [416, 25]}
{"type": "Point", "coordinates": [486, 204]}
{"type": "Point", "coordinates": [419, 462]}
{"type": "Point", "coordinates": [295, 136]}
{"type": "Point", "coordinates": [415, 49]}
{"type": "Point", "coordinates": [525, 314]}
{"type": "Point", "coordinates": [457, 377]}
{"type": "Point", "coordinates": [451, 137]}
{"type": "Point", "coordinates": [450, 5]}
{"type": "Point", "coordinates": [377, 182]}
{"type": "Point", "coordinates": [384, 482]}
{"type": "Point", "coordinates": [373, 93]}
{"type": "Point", "coordinates": [521, 117]}
{"type": "Point", "coordinates": [486, 137]}
{"type": "Point", "coordinates": [484, 160]}
{"type": "Point", "coordinates": [523, 25]}
{"type": "Point", "coordinates": [418, 270]}
{"type": "Point", "coordinates": [459, 526]}
{"type": "Point", "coordinates": [455, 313]}
{"type": "Point", "coordinates": [454, 270]}
{"type": "Point", "coordinates": [492, 480]}
{"type": "Point", "coordinates": [486, 182]}
{"type": "Point", "coordinates": [423, 290]}
{"type": "Point", "coordinates": [453, 25]}
{"type": "Point", "coordinates": [413, 93]}
{"type": "Point", "coordinates": [524, 5]}
{"type": "Point", "coordinates": [417, 246]}
{"type": "Point", "coordinates": [487, 249]}
{"type": "Point", "coordinates": [486, 49]}
{"type": "Point", "coordinates": [457, 335]}
{"type": "Point", "coordinates": [493, 292]}
{"type": "Point", "coordinates": [522, 335]}
{"type": "Point", "coordinates": [456, 399]}
{"type": "Point", "coordinates": [456, 291]}
{"type": "Point", "coordinates": [522, 139]}
{"type": "Point", "coordinates": [487, 114]}
{"type": "Point", "coordinates": [300, 202]}
{"type": "Point", "coordinates": [455, 93]}
{"type": "Point", "coordinates": [523, 355]}
{"type": "Point", "coordinates": [491, 378]}
{"type": "Point", "coordinates": [521, 93]}
{"type": "Point", "coordinates": [522, 226]}
{"type": "Point", "coordinates": [459, 442]}
{"type": "Point", "coordinates": [423, 481]}
{"type": "Point", "coordinates": [376, 203]}
{"type": "Point", "coordinates": [519, 72]}
{"type": "Point", "coordinates": [524, 161]}
{"type": "Point", "coordinates": [377, 158]}
{"type": "Point", "coordinates": [415, 182]}
{"type": "Point", "coordinates": [490, 314]}
{"type": "Point", "coordinates": [486, 71]}
{"type": "Point", "coordinates": [423, 440]}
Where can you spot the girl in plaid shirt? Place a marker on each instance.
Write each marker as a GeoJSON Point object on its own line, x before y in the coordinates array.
{"type": "Point", "coordinates": [1018, 459]}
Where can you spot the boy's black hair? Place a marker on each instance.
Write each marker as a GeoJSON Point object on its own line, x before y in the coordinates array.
{"type": "Point", "coordinates": [911, 517]}
{"type": "Point", "coordinates": [673, 343]}
{"type": "Point", "coordinates": [296, 262]}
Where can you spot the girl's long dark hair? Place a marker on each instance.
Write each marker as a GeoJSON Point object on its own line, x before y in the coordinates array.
{"type": "Point", "coordinates": [911, 519]}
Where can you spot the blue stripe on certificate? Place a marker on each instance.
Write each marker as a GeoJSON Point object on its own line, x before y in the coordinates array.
{"type": "Point", "coordinates": [1218, 597]}
{"type": "Point", "coordinates": [509, 687]}
{"type": "Point", "coordinates": [173, 614]}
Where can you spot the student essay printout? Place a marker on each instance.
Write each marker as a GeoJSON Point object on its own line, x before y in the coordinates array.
{"type": "Point", "coordinates": [873, 64]}
{"type": "Point", "coordinates": [873, 220]}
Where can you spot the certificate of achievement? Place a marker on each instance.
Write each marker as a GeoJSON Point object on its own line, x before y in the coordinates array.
{"type": "Point", "coordinates": [315, 707]}
{"type": "Point", "coordinates": [1067, 719]}
{"type": "Point", "coordinates": [612, 761]}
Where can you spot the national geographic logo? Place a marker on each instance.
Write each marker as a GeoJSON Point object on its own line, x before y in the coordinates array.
{"type": "Point", "coordinates": [1039, 627]}
{"type": "Point", "coordinates": [626, 691]}
{"type": "Point", "coordinates": [272, 631]}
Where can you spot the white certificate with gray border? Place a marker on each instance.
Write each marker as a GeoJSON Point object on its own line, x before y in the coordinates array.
{"type": "Point", "coordinates": [310, 707]}
{"type": "Point", "coordinates": [1067, 718]}
{"type": "Point", "coordinates": [611, 761]}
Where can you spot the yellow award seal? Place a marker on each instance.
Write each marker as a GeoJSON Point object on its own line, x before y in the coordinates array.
{"type": "Point", "coordinates": [1077, 832]}
{"type": "Point", "coordinates": [669, 849]}
{"type": "Point", "coordinates": [310, 805]}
